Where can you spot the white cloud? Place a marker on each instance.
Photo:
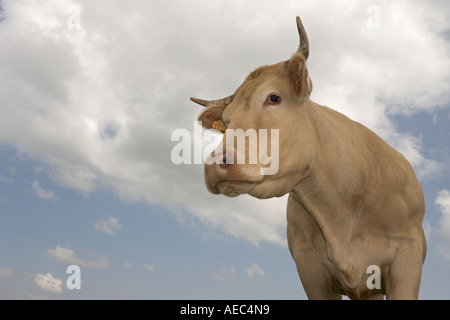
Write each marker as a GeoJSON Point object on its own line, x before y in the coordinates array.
{"type": "Point", "coordinates": [68, 255]}
{"type": "Point", "coordinates": [48, 283]}
{"type": "Point", "coordinates": [149, 267]}
{"type": "Point", "coordinates": [411, 147]}
{"type": "Point", "coordinates": [443, 201]}
{"type": "Point", "coordinates": [224, 274]}
{"type": "Point", "coordinates": [43, 193]}
{"type": "Point", "coordinates": [254, 270]}
{"type": "Point", "coordinates": [109, 226]}
{"type": "Point", "coordinates": [7, 273]}
{"type": "Point", "coordinates": [98, 105]}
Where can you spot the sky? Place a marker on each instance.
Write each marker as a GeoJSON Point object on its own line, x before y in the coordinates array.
{"type": "Point", "coordinates": [92, 91]}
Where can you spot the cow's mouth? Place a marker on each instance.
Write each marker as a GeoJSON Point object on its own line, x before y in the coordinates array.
{"type": "Point", "coordinates": [233, 188]}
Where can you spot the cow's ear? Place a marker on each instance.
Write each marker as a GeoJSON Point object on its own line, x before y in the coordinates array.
{"type": "Point", "coordinates": [298, 76]}
{"type": "Point", "coordinates": [211, 115]}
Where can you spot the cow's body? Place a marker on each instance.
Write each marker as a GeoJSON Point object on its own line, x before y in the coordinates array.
{"type": "Point", "coordinates": [360, 205]}
{"type": "Point", "coordinates": [354, 201]}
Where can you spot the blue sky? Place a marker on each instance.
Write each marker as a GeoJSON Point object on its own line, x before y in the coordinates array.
{"type": "Point", "coordinates": [151, 255]}
{"type": "Point", "coordinates": [90, 93]}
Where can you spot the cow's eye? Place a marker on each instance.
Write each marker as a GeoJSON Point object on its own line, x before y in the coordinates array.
{"type": "Point", "coordinates": [273, 99]}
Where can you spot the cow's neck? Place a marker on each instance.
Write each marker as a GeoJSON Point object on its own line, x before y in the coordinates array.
{"type": "Point", "coordinates": [332, 216]}
{"type": "Point", "coordinates": [336, 185]}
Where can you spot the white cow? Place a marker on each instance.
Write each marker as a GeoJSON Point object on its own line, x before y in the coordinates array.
{"type": "Point", "coordinates": [355, 204]}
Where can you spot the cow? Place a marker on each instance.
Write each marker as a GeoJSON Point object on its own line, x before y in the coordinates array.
{"type": "Point", "coordinates": [355, 205]}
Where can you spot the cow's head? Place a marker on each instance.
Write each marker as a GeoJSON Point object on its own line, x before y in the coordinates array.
{"type": "Point", "coordinates": [274, 98]}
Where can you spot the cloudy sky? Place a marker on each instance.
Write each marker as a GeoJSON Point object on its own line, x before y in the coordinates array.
{"type": "Point", "coordinates": [91, 92]}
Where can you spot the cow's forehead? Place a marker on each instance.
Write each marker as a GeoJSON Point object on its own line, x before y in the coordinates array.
{"type": "Point", "coordinates": [256, 78]}
{"type": "Point", "coordinates": [273, 70]}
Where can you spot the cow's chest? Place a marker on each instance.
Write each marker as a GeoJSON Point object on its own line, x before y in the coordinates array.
{"type": "Point", "coordinates": [334, 258]}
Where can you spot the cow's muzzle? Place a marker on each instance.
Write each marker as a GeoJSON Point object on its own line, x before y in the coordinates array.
{"type": "Point", "coordinates": [226, 177]}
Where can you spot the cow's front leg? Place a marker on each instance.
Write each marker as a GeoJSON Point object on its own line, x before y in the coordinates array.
{"type": "Point", "coordinates": [314, 277]}
{"type": "Point", "coordinates": [404, 273]}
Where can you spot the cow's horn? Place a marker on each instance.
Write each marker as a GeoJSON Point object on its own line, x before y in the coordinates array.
{"type": "Point", "coordinates": [303, 47]}
{"type": "Point", "coordinates": [221, 102]}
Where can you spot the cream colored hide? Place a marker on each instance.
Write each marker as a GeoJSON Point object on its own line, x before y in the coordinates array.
{"type": "Point", "coordinates": [355, 203]}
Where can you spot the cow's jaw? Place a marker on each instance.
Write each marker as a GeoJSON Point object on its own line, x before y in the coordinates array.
{"type": "Point", "coordinates": [232, 180]}
{"type": "Point", "coordinates": [234, 188]}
